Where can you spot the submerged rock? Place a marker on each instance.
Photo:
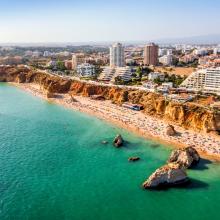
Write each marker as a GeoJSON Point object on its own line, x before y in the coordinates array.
{"type": "Point", "coordinates": [133, 159]}
{"type": "Point", "coordinates": [118, 141]}
{"type": "Point", "coordinates": [185, 157]}
{"type": "Point", "coordinates": [170, 130]}
{"type": "Point", "coordinates": [168, 175]}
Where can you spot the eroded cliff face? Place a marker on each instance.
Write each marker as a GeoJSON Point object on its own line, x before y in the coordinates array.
{"type": "Point", "coordinates": [187, 115]}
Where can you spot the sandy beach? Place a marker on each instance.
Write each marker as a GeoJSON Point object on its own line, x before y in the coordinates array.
{"type": "Point", "coordinates": [134, 121]}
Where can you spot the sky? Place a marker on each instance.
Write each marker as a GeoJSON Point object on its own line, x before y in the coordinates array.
{"type": "Point", "coordinates": [106, 20]}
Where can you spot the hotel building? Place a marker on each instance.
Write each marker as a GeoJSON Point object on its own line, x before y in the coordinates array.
{"type": "Point", "coordinates": [204, 80]}
{"type": "Point", "coordinates": [109, 74]}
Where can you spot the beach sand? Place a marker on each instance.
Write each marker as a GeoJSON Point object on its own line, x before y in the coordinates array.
{"type": "Point", "coordinates": [134, 121]}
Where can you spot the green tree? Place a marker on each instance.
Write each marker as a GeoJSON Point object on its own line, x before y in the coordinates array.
{"type": "Point", "coordinates": [157, 81]}
{"type": "Point", "coordinates": [139, 72]}
{"type": "Point", "coordinates": [60, 65]}
{"type": "Point", "coordinates": [118, 80]}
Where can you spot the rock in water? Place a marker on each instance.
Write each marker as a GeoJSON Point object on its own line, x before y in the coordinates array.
{"type": "Point", "coordinates": [170, 130]}
{"type": "Point", "coordinates": [185, 157]}
{"type": "Point", "coordinates": [133, 159]}
{"type": "Point", "coordinates": [104, 142]}
{"type": "Point", "coordinates": [118, 141]}
{"type": "Point", "coordinates": [168, 175]}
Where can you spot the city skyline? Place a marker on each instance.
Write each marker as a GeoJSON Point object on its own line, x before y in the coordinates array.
{"type": "Point", "coordinates": [98, 21]}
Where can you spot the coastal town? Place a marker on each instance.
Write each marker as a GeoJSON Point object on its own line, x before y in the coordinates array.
{"type": "Point", "coordinates": [109, 110]}
{"type": "Point", "coordinates": [178, 105]}
{"type": "Point", "coordinates": [166, 69]}
{"type": "Point", "coordinates": [179, 73]}
{"type": "Point", "coordinates": [197, 86]}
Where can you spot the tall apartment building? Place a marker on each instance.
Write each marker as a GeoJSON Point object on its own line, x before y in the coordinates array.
{"type": "Point", "coordinates": [117, 57]}
{"type": "Point", "coordinates": [151, 54]}
{"type": "Point", "coordinates": [204, 80]}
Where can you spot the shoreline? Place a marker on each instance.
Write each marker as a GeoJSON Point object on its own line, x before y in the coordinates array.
{"type": "Point", "coordinates": [136, 122]}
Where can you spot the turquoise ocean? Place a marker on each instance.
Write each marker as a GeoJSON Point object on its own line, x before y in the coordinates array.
{"type": "Point", "coordinates": [54, 166]}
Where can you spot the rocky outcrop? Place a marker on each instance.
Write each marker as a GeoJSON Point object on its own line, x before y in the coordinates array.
{"type": "Point", "coordinates": [72, 98]}
{"type": "Point", "coordinates": [133, 159]}
{"type": "Point", "coordinates": [97, 97]}
{"type": "Point", "coordinates": [168, 175]}
{"type": "Point", "coordinates": [187, 115]}
{"type": "Point", "coordinates": [118, 141]}
{"type": "Point", "coordinates": [185, 158]}
{"type": "Point", "coordinates": [174, 173]}
{"type": "Point", "coordinates": [170, 130]}
{"type": "Point", "coordinates": [21, 78]}
{"type": "Point", "coordinates": [50, 95]}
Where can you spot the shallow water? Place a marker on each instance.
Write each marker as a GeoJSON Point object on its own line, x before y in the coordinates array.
{"type": "Point", "coordinates": [53, 166]}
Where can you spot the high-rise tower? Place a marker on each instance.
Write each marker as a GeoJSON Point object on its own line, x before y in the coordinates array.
{"type": "Point", "coordinates": [117, 58]}
{"type": "Point", "coordinates": [151, 54]}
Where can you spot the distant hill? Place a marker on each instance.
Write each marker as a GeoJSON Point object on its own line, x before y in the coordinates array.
{"type": "Point", "coordinates": [202, 39]}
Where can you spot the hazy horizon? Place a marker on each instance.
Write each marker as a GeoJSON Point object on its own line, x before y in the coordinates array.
{"type": "Point", "coordinates": [98, 21]}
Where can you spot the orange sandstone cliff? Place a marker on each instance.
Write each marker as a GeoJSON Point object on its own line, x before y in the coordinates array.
{"type": "Point", "coordinates": [186, 115]}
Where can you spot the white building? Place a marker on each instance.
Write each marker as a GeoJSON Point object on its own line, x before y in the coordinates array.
{"type": "Point", "coordinates": [109, 74]}
{"type": "Point", "coordinates": [168, 84]}
{"type": "Point", "coordinates": [150, 86]}
{"type": "Point", "coordinates": [164, 51]}
{"type": "Point", "coordinates": [46, 54]}
{"type": "Point", "coordinates": [169, 51]}
{"type": "Point", "coordinates": [117, 58]}
{"type": "Point", "coordinates": [201, 52]}
{"type": "Point", "coordinates": [165, 87]}
{"type": "Point", "coordinates": [216, 51]}
{"type": "Point", "coordinates": [154, 75]}
{"type": "Point", "coordinates": [166, 60]}
{"type": "Point", "coordinates": [85, 70]}
{"type": "Point", "coordinates": [204, 80]}
{"type": "Point", "coordinates": [123, 72]}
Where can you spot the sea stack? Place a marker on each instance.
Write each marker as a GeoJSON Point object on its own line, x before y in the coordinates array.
{"type": "Point", "coordinates": [185, 157]}
{"type": "Point", "coordinates": [168, 175]}
{"type": "Point", "coordinates": [118, 141]}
